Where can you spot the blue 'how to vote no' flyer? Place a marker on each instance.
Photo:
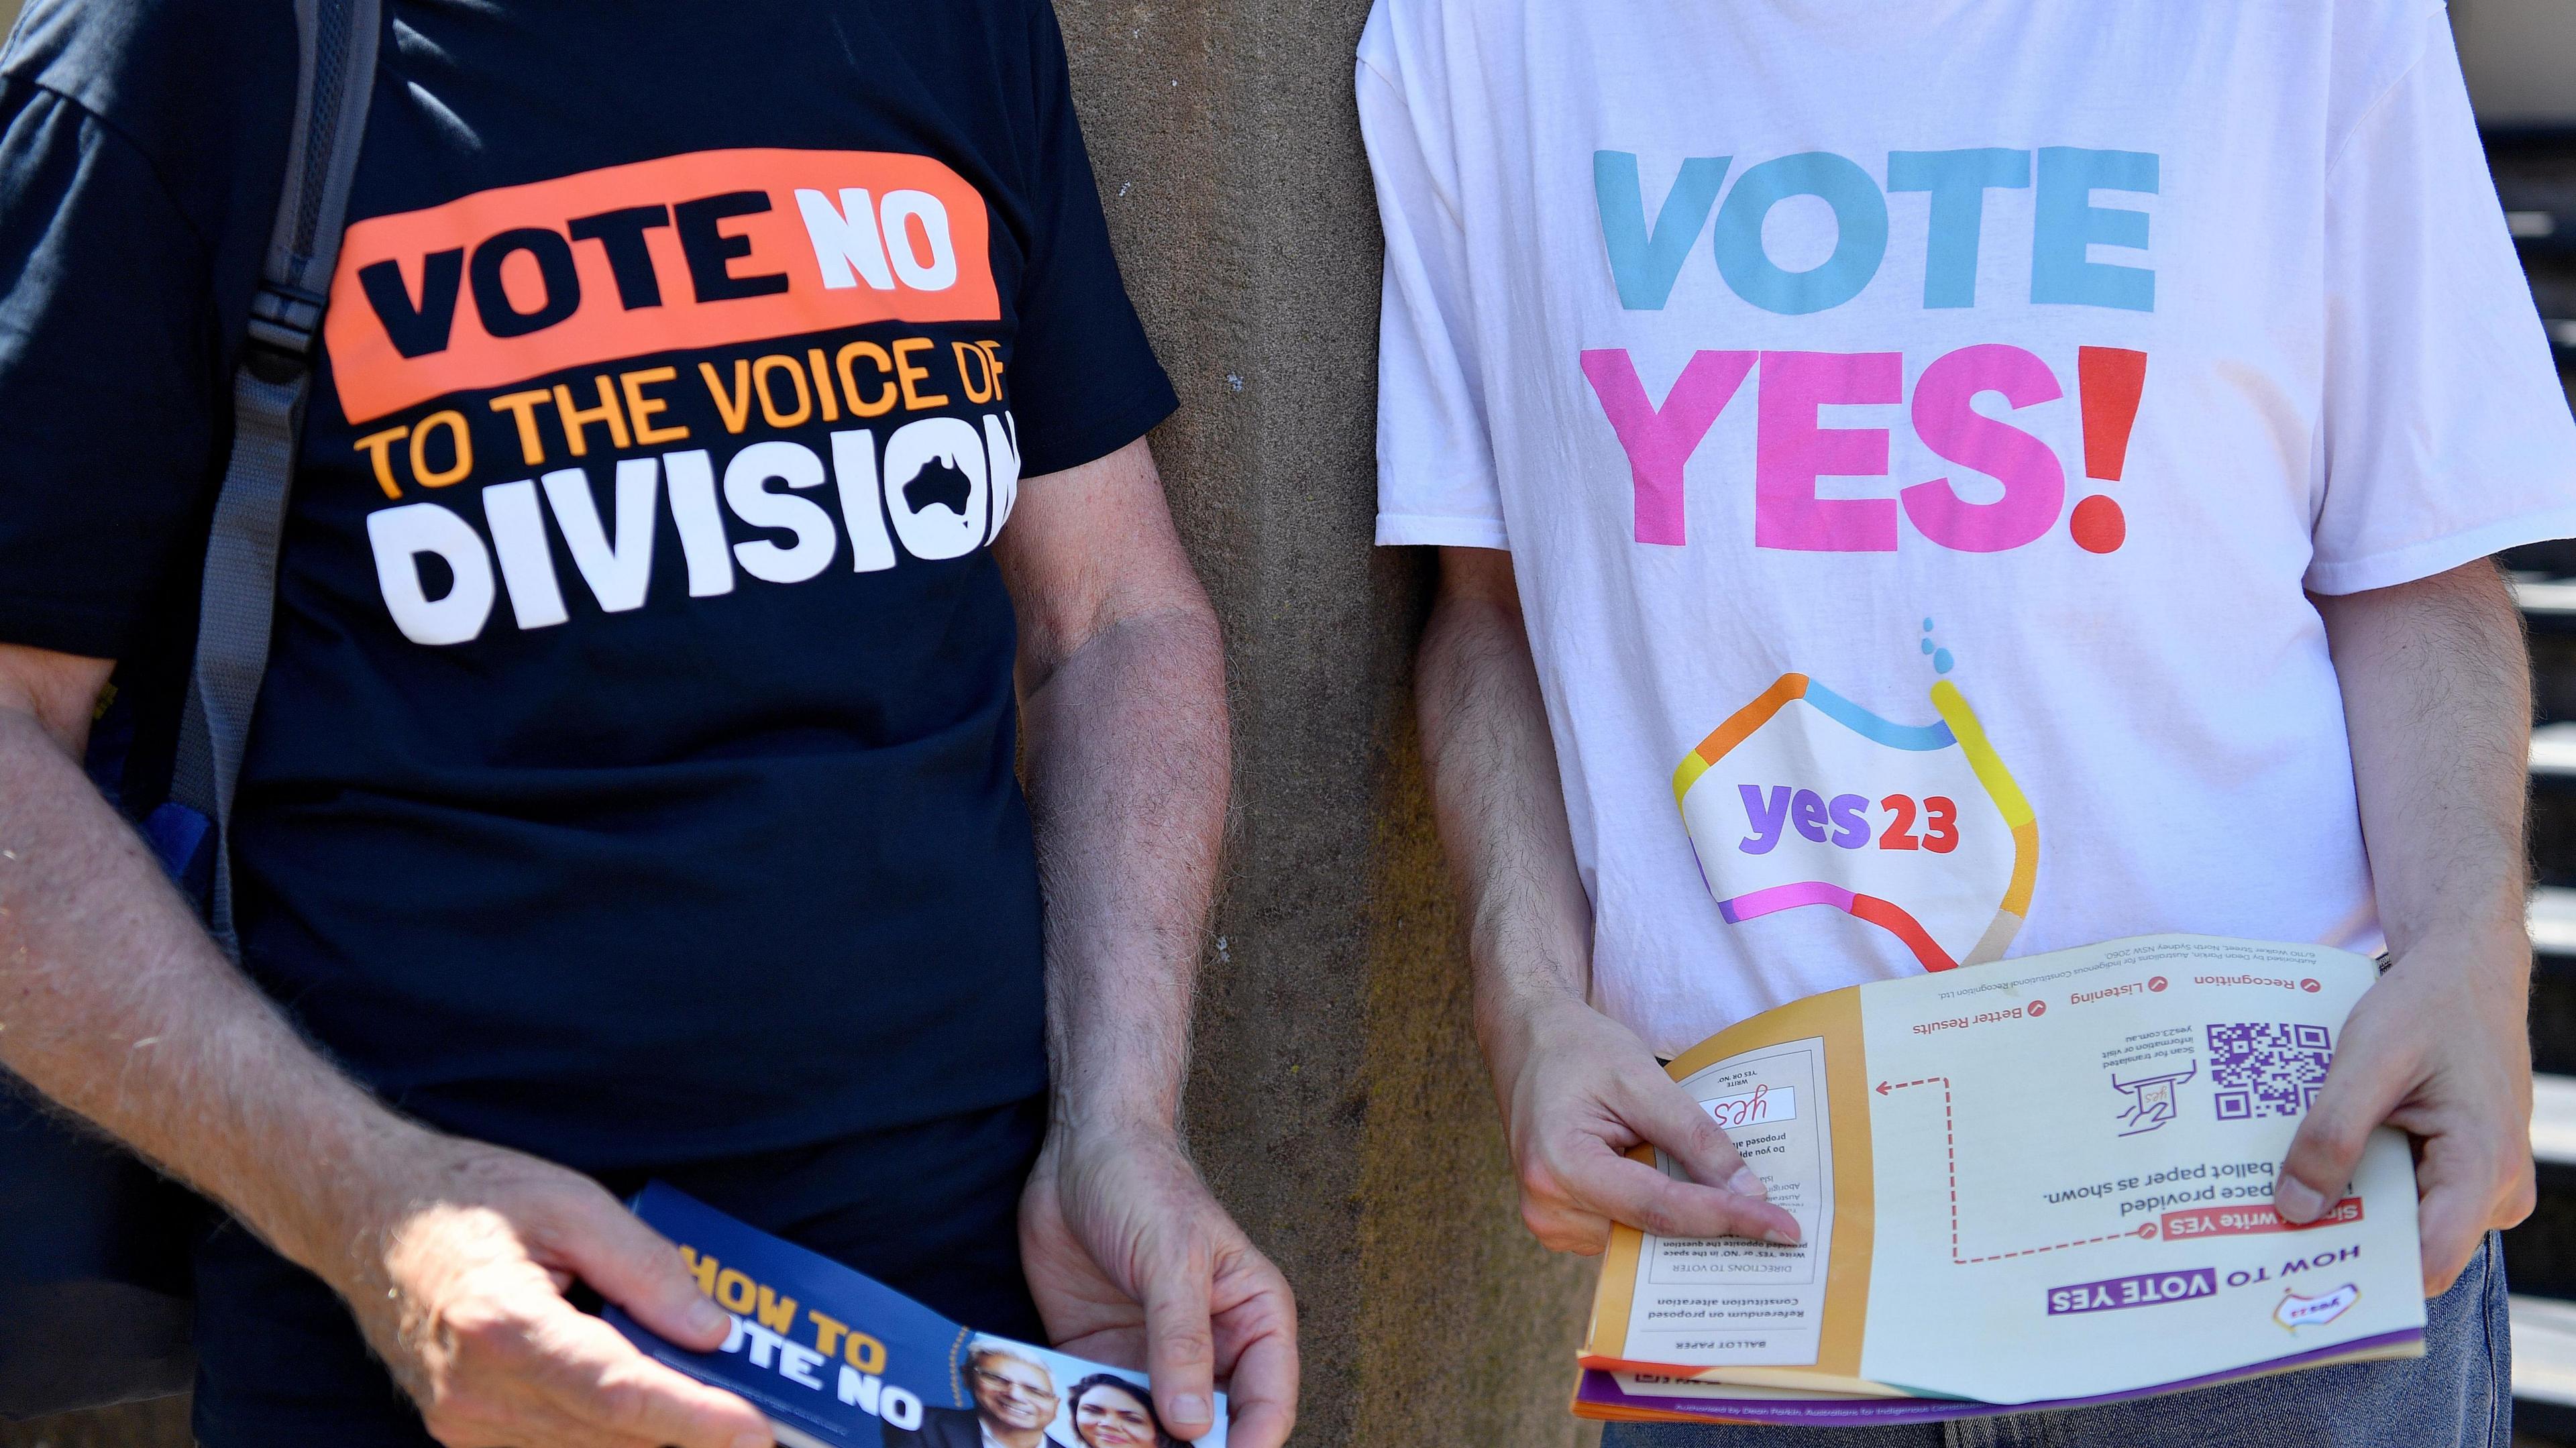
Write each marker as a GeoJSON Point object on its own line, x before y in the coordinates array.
{"type": "Point", "coordinates": [836, 1359]}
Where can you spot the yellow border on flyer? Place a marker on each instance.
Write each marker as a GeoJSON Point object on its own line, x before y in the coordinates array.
{"type": "Point", "coordinates": [1835, 1017]}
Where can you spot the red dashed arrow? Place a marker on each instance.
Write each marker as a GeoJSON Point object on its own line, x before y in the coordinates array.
{"type": "Point", "coordinates": [1950, 1148]}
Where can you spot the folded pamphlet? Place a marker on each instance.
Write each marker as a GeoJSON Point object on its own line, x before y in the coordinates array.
{"type": "Point", "coordinates": [836, 1359]}
{"type": "Point", "coordinates": [2039, 1182]}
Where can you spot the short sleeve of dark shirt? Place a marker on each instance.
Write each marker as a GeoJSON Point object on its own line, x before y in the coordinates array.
{"type": "Point", "coordinates": [129, 245]}
{"type": "Point", "coordinates": [1085, 381]}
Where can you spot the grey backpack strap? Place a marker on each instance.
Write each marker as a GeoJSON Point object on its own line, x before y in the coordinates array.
{"type": "Point", "coordinates": [336, 72]}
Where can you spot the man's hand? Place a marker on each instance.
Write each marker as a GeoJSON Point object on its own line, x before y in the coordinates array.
{"type": "Point", "coordinates": [1122, 704]}
{"type": "Point", "coordinates": [2437, 698]}
{"type": "Point", "coordinates": [458, 1275]}
{"type": "Point", "coordinates": [453, 1255]}
{"type": "Point", "coordinates": [1578, 1091]}
{"type": "Point", "coordinates": [2439, 1051]}
{"type": "Point", "coordinates": [1132, 1261]}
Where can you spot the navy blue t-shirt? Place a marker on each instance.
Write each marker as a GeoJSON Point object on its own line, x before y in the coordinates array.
{"type": "Point", "coordinates": [633, 780]}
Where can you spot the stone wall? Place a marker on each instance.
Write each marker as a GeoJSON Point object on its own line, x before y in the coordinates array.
{"type": "Point", "coordinates": [2520, 56]}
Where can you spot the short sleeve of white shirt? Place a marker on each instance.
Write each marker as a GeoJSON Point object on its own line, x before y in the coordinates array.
{"type": "Point", "coordinates": [2445, 433]}
{"type": "Point", "coordinates": [1436, 482]}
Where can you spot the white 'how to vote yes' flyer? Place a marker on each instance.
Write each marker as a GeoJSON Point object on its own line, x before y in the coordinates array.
{"type": "Point", "coordinates": [2044, 1180]}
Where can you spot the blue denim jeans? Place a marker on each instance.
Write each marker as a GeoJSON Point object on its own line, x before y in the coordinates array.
{"type": "Point", "coordinates": [2459, 1393]}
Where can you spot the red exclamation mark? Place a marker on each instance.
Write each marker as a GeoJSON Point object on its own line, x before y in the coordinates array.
{"type": "Point", "coordinates": [2110, 379]}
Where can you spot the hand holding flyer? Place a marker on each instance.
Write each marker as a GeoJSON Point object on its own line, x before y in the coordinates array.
{"type": "Point", "coordinates": [838, 1360]}
{"type": "Point", "coordinates": [2039, 1181]}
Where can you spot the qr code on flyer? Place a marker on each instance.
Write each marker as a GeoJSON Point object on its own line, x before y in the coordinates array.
{"type": "Point", "coordinates": [2267, 1068]}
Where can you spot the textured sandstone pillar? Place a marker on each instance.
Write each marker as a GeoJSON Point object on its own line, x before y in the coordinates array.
{"type": "Point", "coordinates": [1337, 1102]}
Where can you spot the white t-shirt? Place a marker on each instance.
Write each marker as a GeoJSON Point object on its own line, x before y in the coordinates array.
{"type": "Point", "coordinates": [1915, 428]}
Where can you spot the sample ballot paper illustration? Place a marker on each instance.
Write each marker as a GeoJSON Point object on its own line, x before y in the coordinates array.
{"type": "Point", "coordinates": [2040, 1181]}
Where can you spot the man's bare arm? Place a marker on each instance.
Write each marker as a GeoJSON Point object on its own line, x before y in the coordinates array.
{"type": "Point", "coordinates": [2437, 697]}
{"type": "Point", "coordinates": [115, 1004]}
{"type": "Point", "coordinates": [1122, 680]}
{"type": "Point", "coordinates": [1577, 1089]}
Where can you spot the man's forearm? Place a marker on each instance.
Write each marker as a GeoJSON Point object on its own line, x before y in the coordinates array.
{"type": "Point", "coordinates": [115, 1004]}
{"type": "Point", "coordinates": [2437, 699]}
{"type": "Point", "coordinates": [1128, 770]}
{"type": "Point", "coordinates": [1122, 700]}
{"type": "Point", "coordinates": [1501, 806]}
{"type": "Point", "coordinates": [1576, 1088]}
